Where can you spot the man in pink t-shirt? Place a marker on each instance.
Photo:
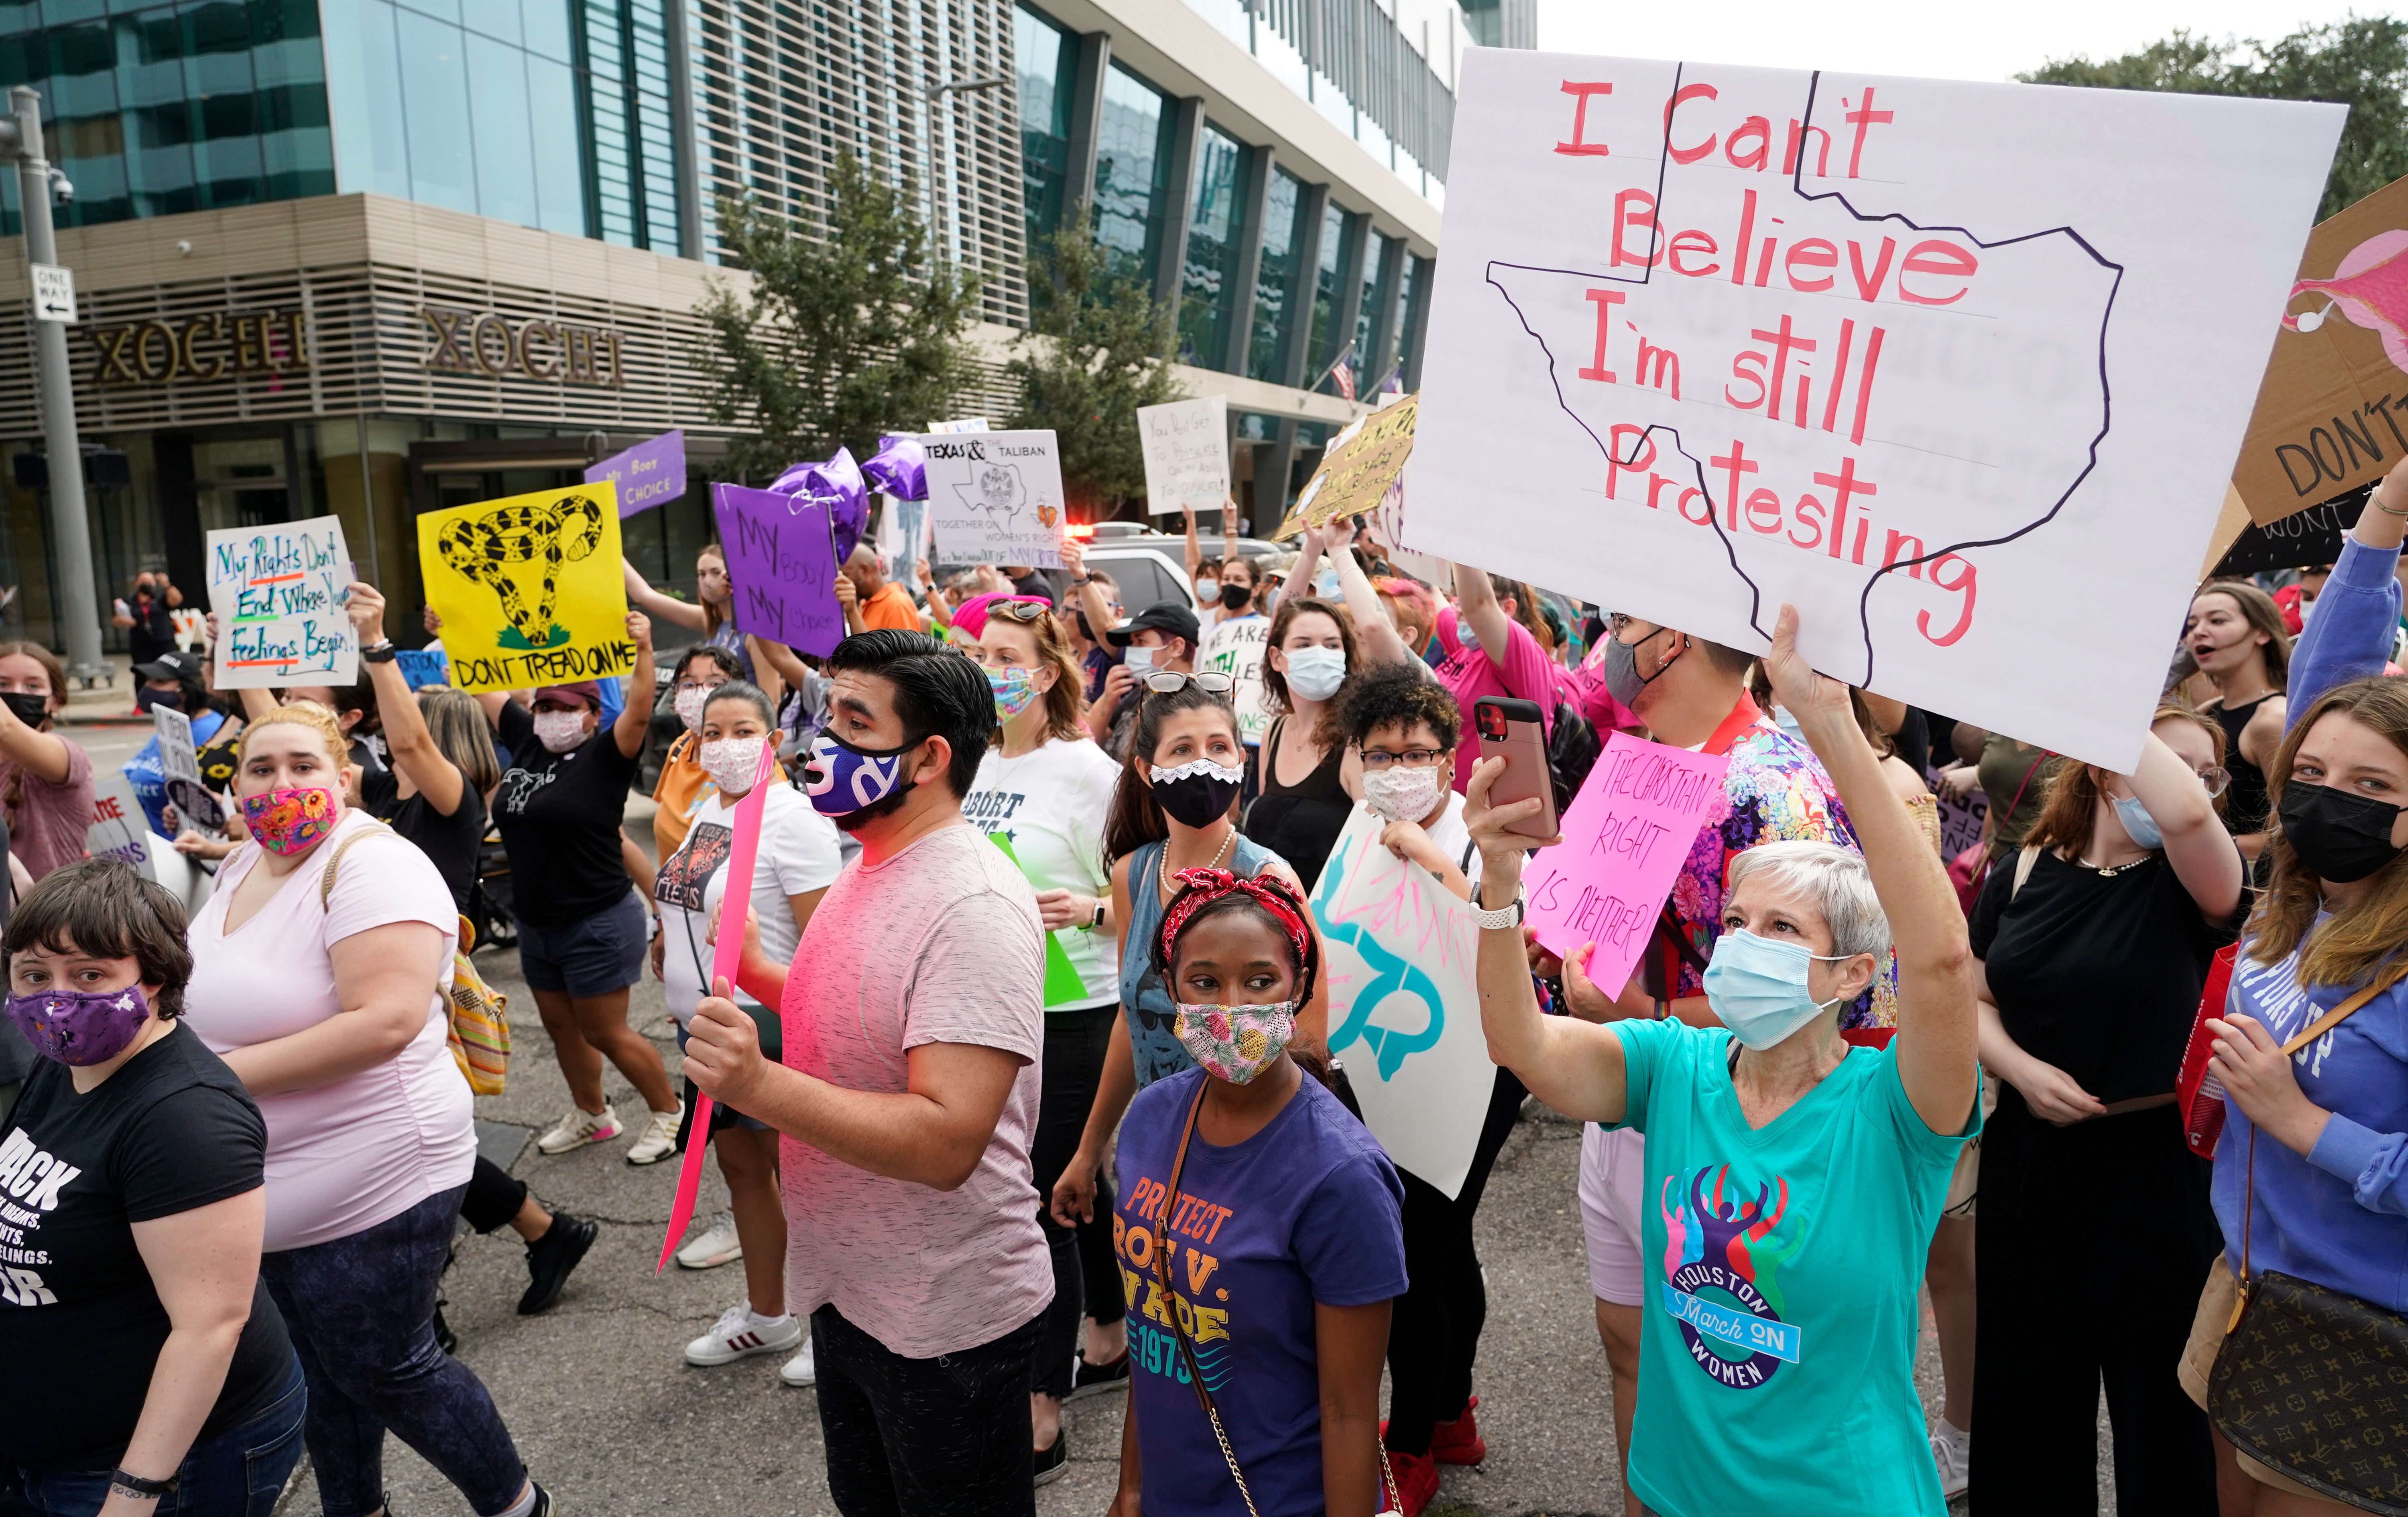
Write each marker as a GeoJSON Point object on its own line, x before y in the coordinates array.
{"type": "Point", "coordinates": [913, 1017]}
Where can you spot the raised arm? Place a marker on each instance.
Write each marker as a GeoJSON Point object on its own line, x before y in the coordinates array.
{"type": "Point", "coordinates": [1195, 549]}
{"type": "Point", "coordinates": [2197, 845]}
{"type": "Point", "coordinates": [2351, 634]}
{"type": "Point", "coordinates": [1937, 1028]}
{"type": "Point", "coordinates": [1091, 600]}
{"type": "Point", "coordinates": [42, 753]}
{"type": "Point", "coordinates": [1475, 601]}
{"type": "Point", "coordinates": [637, 714]}
{"type": "Point", "coordinates": [1373, 631]}
{"type": "Point", "coordinates": [641, 595]}
{"type": "Point", "coordinates": [406, 736]}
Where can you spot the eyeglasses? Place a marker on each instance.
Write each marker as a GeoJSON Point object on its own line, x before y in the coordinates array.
{"type": "Point", "coordinates": [1376, 759]}
{"type": "Point", "coordinates": [1169, 682]}
{"type": "Point", "coordinates": [1021, 612]}
{"type": "Point", "coordinates": [2216, 780]}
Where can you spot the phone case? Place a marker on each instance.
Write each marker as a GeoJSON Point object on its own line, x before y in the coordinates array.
{"type": "Point", "coordinates": [1512, 730]}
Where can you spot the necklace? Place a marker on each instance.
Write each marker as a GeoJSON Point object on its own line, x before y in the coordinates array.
{"type": "Point", "coordinates": [1162, 867]}
{"type": "Point", "coordinates": [2109, 871]}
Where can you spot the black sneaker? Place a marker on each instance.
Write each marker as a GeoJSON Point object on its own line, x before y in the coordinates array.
{"type": "Point", "coordinates": [543, 1504]}
{"type": "Point", "coordinates": [1053, 1463]}
{"type": "Point", "coordinates": [551, 1257]}
{"type": "Point", "coordinates": [1095, 1379]}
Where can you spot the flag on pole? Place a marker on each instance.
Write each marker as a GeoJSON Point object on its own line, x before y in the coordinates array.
{"type": "Point", "coordinates": [1341, 368]}
{"type": "Point", "coordinates": [1393, 383]}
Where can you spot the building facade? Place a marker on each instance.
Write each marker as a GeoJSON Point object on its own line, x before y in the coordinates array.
{"type": "Point", "coordinates": [375, 257]}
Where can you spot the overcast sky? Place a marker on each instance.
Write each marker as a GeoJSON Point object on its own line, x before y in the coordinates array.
{"type": "Point", "coordinates": [1896, 36]}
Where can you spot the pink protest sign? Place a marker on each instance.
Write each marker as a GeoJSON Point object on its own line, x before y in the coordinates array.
{"type": "Point", "coordinates": [726, 954]}
{"type": "Point", "coordinates": [1625, 837]}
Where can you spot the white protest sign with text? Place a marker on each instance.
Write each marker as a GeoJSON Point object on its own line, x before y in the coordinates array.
{"type": "Point", "coordinates": [1937, 362]}
{"type": "Point", "coordinates": [273, 589]}
{"type": "Point", "coordinates": [995, 497]}
{"type": "Point", "coordinates": [1186, 447]}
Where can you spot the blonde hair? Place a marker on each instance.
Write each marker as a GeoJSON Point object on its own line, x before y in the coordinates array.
{"type": "Point", "coordinates": [308, 714]}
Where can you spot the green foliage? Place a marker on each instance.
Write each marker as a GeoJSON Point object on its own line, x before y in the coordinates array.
{"type": "Point", "coordinates": [2362, 63]}
{"type": "Point", "coordinates": [1099, 346]}
{"type": "Point", "coordinates": [841, 338]}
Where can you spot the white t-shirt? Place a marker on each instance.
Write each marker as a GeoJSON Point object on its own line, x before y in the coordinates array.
{"type": "Point", "coordinates": [797, 855]}
{"type": "Point", "coordinates": [354, 1152]}
{"type": "Point", "coordinates": [1236, 648]}
{"type": "Point", "coordinates": [1454, 839]}
{"type": "Point", "coordinates": [1050, 803]}
{"type": "Point", "coordinates": [937, 944]}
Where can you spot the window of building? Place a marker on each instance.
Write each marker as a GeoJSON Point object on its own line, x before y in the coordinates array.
{"type": "Point", "coordinates": [1046, 58]}
{"type": "Point", "coordinates": [1413, 310]}
{"type": "Point", "coordinates": [1132, 163]}
{"type": "Point", "coordinates": [1207, 295]}
{"type": "Point", "coordinates": [1338, 232]}
{"type": "Point", "coordinates": [1275, 280]}
{"type": "Point", "coordinates": [633, 197]}
{"type": "Point", "coordinates": [1371, 339]}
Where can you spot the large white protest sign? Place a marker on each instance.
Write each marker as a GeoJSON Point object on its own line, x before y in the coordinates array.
{"type": "Point", "coordinates": [1186, 448]}
{"type": "Point", "coordinates": [117, 829]}
{"type": "Point", "coordinates": [995, 497]}
{"type": "Point", "coordinates": [1959, 369]}
{"type": "Point", "coordinates": [273, 589]}
{"type": "Point", "coordinates": [1401, 963]}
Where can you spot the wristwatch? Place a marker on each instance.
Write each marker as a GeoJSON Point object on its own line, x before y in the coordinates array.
{"type": "Point", "coordinates": [380, 651]}
{"type": "Point", "coordinates": [135, 1485]}
{"type": "Point", "coordinates": [1099, 919]}
{"type": "Point", "coordinates": [1508, 915]}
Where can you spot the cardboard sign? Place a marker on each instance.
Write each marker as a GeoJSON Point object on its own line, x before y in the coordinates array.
{"type": "Point", "coordinates": [1361, 463]}
{"type": "Point", "coordinates": [1625, 837]}
{"type": "Point", "coordinates": [529, 588]}
{"type": "Point", "coordinates": [650, 474]}
{"type": "Point", "coordinates": [1919, 357]}
{"type": "Point", "coordinates": [1186, 447]}
{"type": "Point", "coordinates": [273, 589]}
{"type": "Point", "coordinates": [2302, 539]}
{"type": "Point", "coordinates": [178, 757]}
{"type": "Point", "coordinates": [1402, 967]}
{"type": "Point", "coordinates": [1961, 818]}
{"type": "Point", "coordinates": [117, 829]}
{"type": "Point", "coordinates": [782, 562]}
{"type": "Point", "coordinates": [995, 497]}
{"type": "Point", "coordinates": [422, 667]}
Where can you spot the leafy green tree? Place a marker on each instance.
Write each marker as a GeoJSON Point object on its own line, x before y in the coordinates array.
{"type": "Point", "coordinates": [2362, 63]}
{"type": "Point", "coordinates": [1099, 346]}
{"type": "Point", "coordinates": [858, 331]}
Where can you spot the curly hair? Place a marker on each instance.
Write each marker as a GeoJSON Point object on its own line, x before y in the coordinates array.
{"type": "Point", "coordinates": [1395, 695]}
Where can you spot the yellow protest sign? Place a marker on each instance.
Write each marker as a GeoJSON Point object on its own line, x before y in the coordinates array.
{"type": "Point", "coordinates": [529, 588]}
{"type": "Point", "coordinates": [1362, 462]}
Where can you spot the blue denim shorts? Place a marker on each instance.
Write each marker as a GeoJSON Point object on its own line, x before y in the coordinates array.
{"type": "Point", "coordinates": [593, 955]}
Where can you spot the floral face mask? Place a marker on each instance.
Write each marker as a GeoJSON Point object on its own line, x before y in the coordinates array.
{"type": "Point", "coordinates": [1235, 1043]}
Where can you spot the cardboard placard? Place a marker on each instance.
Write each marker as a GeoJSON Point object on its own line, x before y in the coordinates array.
{"type": "Point", "coordinates": [274, 591]}
{"type": "Point", "coordinates": [995, 497]}
{"type": "Point", "coordinates": [650, 474]}
{"type": "Point", "coordinates": [1929, 360]}
{"type": "Point", "coordinates": [2302, 539]}
{"type": "Point", "coordinates": [782, 563]}
{"type": "Point", "coordinates": [1360, 465]}
{"type": "Point", "coordinates": [1186, 448]}
{"type": "Point", "coordinates": [529, 587]}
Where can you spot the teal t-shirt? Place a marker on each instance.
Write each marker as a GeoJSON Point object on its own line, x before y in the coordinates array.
{"type": "Point", "coordinates": [1776, 1371]}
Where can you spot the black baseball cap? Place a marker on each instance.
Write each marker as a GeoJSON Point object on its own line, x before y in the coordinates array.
{"type": "Point", "coordinates": [1166, 616]}
{"type": "Point", "coordinates": [175, 665]}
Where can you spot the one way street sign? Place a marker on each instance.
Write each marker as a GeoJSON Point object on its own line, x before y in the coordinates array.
{"type": "Point", "coordinates": [53, 293]}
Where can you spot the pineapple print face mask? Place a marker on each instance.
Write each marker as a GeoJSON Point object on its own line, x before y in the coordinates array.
{"type": "Point", "coordinates": [1235, 1043]}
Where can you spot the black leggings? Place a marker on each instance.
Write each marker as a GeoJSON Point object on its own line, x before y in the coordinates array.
{"type": "Point", "coordinates": [494, 1197]}
{"type": "Point", "coordinates": [1434, 1332]}
{"type": "Point", "coordinates": [1084, 1269]}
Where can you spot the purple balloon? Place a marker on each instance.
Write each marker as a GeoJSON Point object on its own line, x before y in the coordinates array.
{"type": "Point", "coordinates": [837, 484]}
{"type": "Point", "coordinates": [792, 480]}
{"type": "Point", "coordinates": [900, 468]}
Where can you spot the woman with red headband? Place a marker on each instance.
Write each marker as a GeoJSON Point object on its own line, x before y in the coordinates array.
{"type": "Point", "coordinates": [1262, 1222]}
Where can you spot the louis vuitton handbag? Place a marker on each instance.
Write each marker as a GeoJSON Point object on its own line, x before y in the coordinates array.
{"type": "Point", "coordinates": [2312, 1382]}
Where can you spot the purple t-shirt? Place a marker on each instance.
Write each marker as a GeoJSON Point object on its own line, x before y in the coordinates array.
{"type": "Point", "coordinates": [1308, 1211]}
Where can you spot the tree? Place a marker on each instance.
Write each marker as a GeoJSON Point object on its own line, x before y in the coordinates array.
{"type": "Point", "coordinates": [1099, 346]}
{"type": "Point", "coordinates": [858, 331]}
{"type": "Point", "coordinates": [2362, 63]}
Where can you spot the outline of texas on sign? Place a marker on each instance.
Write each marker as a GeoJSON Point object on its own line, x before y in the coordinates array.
{"type": "Point", "coordinates": [1870, 337]}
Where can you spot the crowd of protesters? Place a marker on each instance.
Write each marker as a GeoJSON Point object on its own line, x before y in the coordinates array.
{"type": "Point", "coordinates": [1022, 1092]}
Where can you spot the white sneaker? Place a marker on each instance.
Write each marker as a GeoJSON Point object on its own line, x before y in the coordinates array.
{"type": "Point", "coordinates": [800, 1369]}
{"type": "Point", "coordinates": [718, 1245]}
{"type": "Point", "coordinates": [579, 1128]}
{"type": "Point", "coordinates": [1954, 1457]}
{"type": "Point", "coordinates": [739, 1335]}
{"type": "Point", "coordinates": [658, 1140]}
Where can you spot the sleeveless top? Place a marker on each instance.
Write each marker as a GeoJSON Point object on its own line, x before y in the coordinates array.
{"type": "Point", "coordinates": [1301, 821]}
{"type": "Point", "coordinates": [2245, 804]}
{"type": "Point", "coordinates": [1145, 1000]}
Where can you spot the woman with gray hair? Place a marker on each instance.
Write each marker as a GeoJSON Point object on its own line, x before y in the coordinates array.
{"type": "Point", "coordinates": [1794, 1179]}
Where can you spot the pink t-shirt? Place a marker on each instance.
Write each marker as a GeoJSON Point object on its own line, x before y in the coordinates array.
{"type": "Point", "coordinates": [355, 1151]}
{"type": "Point", "coordinates": [940, 944]}
{"type": "Point", "coordinates": [1522, 672]}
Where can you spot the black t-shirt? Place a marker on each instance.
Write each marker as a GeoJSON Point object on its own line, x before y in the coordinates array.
{"type": "Point", "coordinates": [153, 632]}
{"type": "Point", "coordinates": [451, 841]}
{"type": "Point", "coordinates": [1301, 822]}
{"type": "Point", "coordinates": [559, 817]}
{"type": "Point", "coordinates": [2098, 974]}
{"type": "Point", "coordinates": [173, 1130]}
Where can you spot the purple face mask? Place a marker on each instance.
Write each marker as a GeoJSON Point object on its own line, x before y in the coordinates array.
{"type": "Point", "coordinates": [81, 1026]}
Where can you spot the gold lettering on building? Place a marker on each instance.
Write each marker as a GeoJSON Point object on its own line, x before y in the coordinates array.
{"type": "Point", "coordinates": [160, 352]}
{"type": "Point", "coordinates": [488, 345]}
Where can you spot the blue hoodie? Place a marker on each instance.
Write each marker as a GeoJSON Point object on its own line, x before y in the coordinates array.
{"type": "Point", "coordinates": [2338, 1216]}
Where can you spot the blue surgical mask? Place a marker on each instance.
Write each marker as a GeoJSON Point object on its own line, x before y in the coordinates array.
{"type": "Point", "coordinates": [1758, 987]}
{"type": "Point", "coordinates": [841, 779]}
{"type": "Point", "coordinates": [1137, 661]}
{"type": "Point", "coordinates": [2137, 821]}
{"type": "Point", "coordinates": [1315, 673]}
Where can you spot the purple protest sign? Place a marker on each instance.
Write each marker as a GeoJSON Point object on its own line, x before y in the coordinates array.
{"type": "Point", "coordinates": [782, 561]}
{"type": "Point", "coordinates": [647, 475]}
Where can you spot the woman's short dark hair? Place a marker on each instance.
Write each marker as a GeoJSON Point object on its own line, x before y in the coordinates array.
{"type": "Point", "coordinates": [938, 693]}
{"type": "Point", "coordinates": [103, 908]}
{"type": "Point", "coordinates": [1392, 695]}
{"type": "Point", "coordinates": [741, 690]}
{"type": "Point", "coordinates": [729, 668]}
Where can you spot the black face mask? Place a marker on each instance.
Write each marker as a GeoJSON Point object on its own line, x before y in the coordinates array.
{"type": "Point", "coordinates": [144, 698]}
{"type": "Point", "coordinates": [1085, 631]}
{"type": "Point", "coordinates": [2340, 837]}
{"type": "Point", "coordinates": [1234, 597]}
{"type": "Point", "coordinates": [1197, 793]}
{"type": "Point", "coordinates": [31, 710]}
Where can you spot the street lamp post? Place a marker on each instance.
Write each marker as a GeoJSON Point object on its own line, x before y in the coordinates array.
{"type": "Point", "coordinates": [79, 610]}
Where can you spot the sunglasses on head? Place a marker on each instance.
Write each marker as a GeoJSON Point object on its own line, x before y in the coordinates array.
{"type": "Point", "coordinates": [1023, 611]}
{"type": "Point", "coordinates": [1169, 682]}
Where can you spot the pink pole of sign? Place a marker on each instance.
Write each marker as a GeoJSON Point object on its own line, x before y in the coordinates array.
{"type": "Point", "coordinates": [725, 956]}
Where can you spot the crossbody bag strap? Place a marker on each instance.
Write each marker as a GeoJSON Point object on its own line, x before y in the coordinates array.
{"type": "Point", "coordinates": [2024, 862]}
{"type": "Point", "coordinates": [326, 880]}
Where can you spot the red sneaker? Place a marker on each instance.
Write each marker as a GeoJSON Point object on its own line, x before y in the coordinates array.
{"type": "Point", "coordinates": [1416, 1483]}
{"type": "Point", "coordinates": [1458, 1443]}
